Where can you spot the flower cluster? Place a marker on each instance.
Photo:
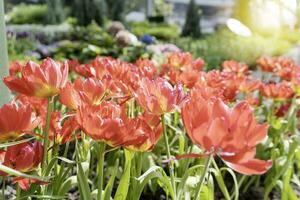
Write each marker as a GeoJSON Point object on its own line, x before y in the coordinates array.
{"type": "Point", "coordinates": [125, 106]}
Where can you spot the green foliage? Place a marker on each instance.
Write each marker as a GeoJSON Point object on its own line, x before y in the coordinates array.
{"type": "Point", "coordinates": [56, 13]}
{"type": "Point", "coordinates": [115, 9]}
{"type": "Point", "coordinates": [160, 30]}
{"type": "Point", "coordinates": [87, 11]}
{"type": "Point", "coordinates": [191, 26]}
{"type": "Point", "coordinates": [224, 45]}
{"type": "Point", "coordinates": [28, 14]}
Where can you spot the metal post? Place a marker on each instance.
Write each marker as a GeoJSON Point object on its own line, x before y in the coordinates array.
{"type": "Point", "coordinates": [4, 93]}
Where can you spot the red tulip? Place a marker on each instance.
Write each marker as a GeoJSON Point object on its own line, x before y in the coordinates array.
{"type": "Point", "coordinates": [158, 96]}
{"type": "Point", "coordinates": [230, 133]}
{"type": "Point", "coordinates": [279, 91]}
{"type": "Point", "coordinates": [142, 133]}
{"type": "Point", "coordinates": [103, 122]}
{"type": "Point", "coordinates": [42, 81]}
{"type": "Point", "coordinates": [16, 120]}
{"type": "Point", "coordinates": [249, 85]}
{"type": "Point", "coordinates": [146, 68]}
{"type": "Point", "coordinates": [90, 91]}
{"type": "Point", "coordinates": [232, 66]}
{"type": "Point", "coordinates": [24, 157]}
{"type": "Point", "coordinates": [60, 131]}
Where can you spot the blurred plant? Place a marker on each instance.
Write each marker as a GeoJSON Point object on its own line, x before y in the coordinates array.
{"type": "Point", "coordinates": [28, 14]}
{"type": "Point", "coordinates": [192, 21]}
{"type": "Point", "coordinates": [115, 9]}
{"type": "Point", "coordinates": [56, 12]}
{"type": "Point", "coordinates": [86, 11]}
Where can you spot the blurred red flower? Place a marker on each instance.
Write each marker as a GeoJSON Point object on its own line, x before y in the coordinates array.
{"type": "Point", "coordinates": [279, 91]}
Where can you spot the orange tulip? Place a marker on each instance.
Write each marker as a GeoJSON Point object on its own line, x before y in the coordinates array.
{"type": "Point", "coordinates": [24, 157]}
{"type": "Point", "coordinates": [249, 85]}
{"type": "Point", "coordinates": [41, 81]}
{"type": "Point", "coordinates": [158, 96]}
{"type": "Point", "coordinates": [142, 133]}
{"type": "Point", "coordinates": [232, 66]}
{"type": "Point", "coordinates": [279, 91]}
{"type": "Point", "coordinates": [60, 131]}
{"type": "Point", "coordinates": [38, 105]}
{"type": "Point", "coordinates": [89, 91]}
{"type": "Point", "coordinates": [229, 133]}
{"type": "Point", "coordinates": [103, 122]}
{"type": "Point", "coordinates": [146, 68]}
{"type": "Point", "coordinates": [16, 120]}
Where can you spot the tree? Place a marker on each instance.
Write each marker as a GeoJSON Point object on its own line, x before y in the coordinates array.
{"type": "Point", "coordinates": [56, 12]}
{"type": "Point", "coordinates": [116, 9]}
{"type": "Point", "coordinates": [4, 93]}
{"type": "Point", "coordinates": [191, 26]}
{"type": "Point", "coordinates": [88, 10]}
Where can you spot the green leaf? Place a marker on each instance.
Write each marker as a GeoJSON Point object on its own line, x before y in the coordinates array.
{"type": "Point", "coordinates": [67, 185]}
{"type": "Point", "coordinates": [184, 179]}
{"type": "Point", "coordinates": [13, 172]}
{"type": "Point", "coordinates": [151, 173]}
{"type": "Point", "coordinates": [44, 197]}
{"type": "Point", "coordinates": [122, 189]}
{"type": "Point", "coordinates": [7, 144]}
{"type": "Point", "coordinates": [218, 175]}
{"type": "Point", "coordinates": [236, 185]}
{"type": "Point", "coordinates": [110, 184]}
{"type": "Point", "coordinates": [85, 192]}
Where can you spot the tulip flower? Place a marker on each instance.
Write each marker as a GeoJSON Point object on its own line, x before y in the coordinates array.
{"type": "Point", "coordinates": [229, 133]}
{"type": "Point", "coordinates": [41, 81]}
{"type": "Point", "coordinates": [142, 133]}
{"type": "Point", "coordinates": [24, 157]}
{"type": "Point", "coordinates": [16, 120]}
{"type": "Point", "coordinates": [90, 91]}
{"type": "Point", "coordinates": [232, 66]}
{"type": "Point", "coordinates": [158, 96]}
{"type": "Point", "coordinates": [249, 85]}
{"type": "Point", "coordinates": [146, 68]}
{"type": "Point", "coordinates": [61, 132]}
{"type": "Point", "coordinates": [103, 122]}
{"type": "Point", "coordinates": [279, 91]}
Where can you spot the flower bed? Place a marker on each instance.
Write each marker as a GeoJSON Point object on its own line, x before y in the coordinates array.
{"type": "Point", "coordinates": [145, 130]}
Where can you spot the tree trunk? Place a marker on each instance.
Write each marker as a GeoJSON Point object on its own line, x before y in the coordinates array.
{"type": "Point", "coordinates": [4, 93]}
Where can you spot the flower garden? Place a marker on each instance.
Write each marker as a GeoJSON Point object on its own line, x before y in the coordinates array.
{"type": "Point", "coordinates": [105, 116]}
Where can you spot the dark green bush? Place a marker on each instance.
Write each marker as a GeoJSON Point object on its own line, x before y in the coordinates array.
{"type": "Point", "coordinates": [28, 14]}
{"type": "Point", "coordinates": [160, 30]}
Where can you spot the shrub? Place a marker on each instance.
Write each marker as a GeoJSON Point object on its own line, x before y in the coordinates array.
{"type": "Point", "coordinates": [160, 30]}
{"type": "Point", "coordinates": [224, 45]}
{"type": "Point", "coordinates": [28, 14]}
{"type": "Point", "coordinates": [191, 26]}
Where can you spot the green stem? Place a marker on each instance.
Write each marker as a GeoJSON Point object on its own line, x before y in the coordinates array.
{"type": "Point", "coordinates": [139, 164]}
{"type": "Point", "coordinates": [100, 169]}
{"type": "Point", "coordinates": [171, 164]}
{"type": "Point", "coordinates": [3, 187]}
{"type": "Point", "coordinates": [199, 186]}
{"type": "Point", "coordinates": [46, 134]}
{"type": "Point", "coordinates": [18, 196]}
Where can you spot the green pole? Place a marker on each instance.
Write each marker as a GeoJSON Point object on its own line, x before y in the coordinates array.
{"type": "Point", "coordinates": [4, 93]}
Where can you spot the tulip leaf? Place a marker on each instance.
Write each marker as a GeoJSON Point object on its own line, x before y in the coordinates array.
{"type": "Point", "coordinates": [43, 197]}
{"type": "Point", "coordinates": [13, 172]}
{"type": "Point", "coordinates": [110, 184]}
{"type": "Point", "coordinates": [236, 185]}
{"type": "Point", "coordinates": [154, 172]}
{"type": "Point", "coordinates": [7, 144]}
{"type": "Point", "coordinates": [67, 185]}
{"type": "Point", "coordinates": [184, 179]}
{"type": "Point", "coordinates": [123, 187]}
{"type": "Point", "coordinates": [84, 189]}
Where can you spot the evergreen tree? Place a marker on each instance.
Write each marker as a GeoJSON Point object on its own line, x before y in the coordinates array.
{"type": "Point", "coordinates": [191, 26]}
{"type": "Point", "coordinates": [56, 12]}
{"type": "Point", "coordinates": [88, 10]}
{"type": "Point", "coordinates": [116, 9]}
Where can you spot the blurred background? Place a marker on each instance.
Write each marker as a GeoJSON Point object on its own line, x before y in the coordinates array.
{"type": "Point", "coordinates": [215, 30]}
